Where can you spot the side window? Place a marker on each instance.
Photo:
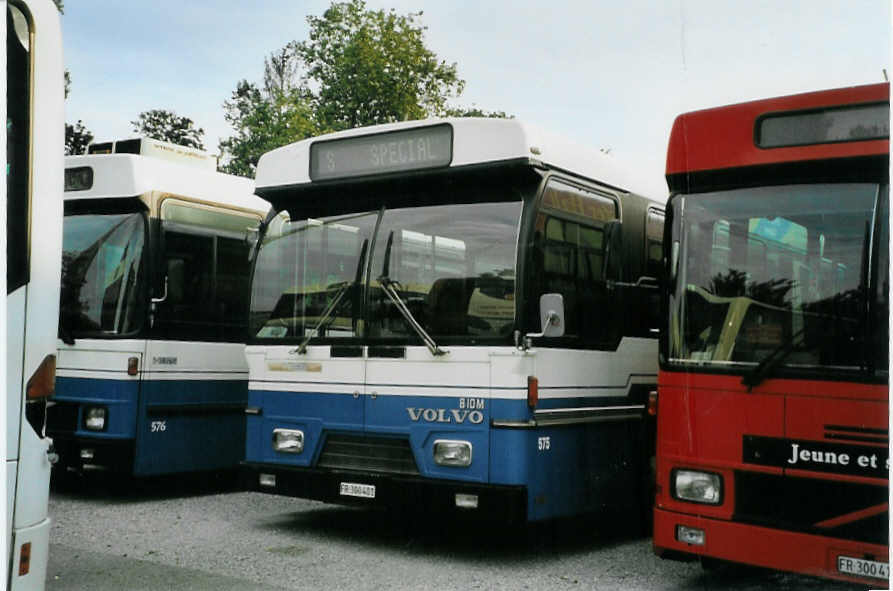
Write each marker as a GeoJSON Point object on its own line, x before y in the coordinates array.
{"type": "Point", "coordinates": [207, 270]}
{"type": "Point", "coordinates": [569, 257]}
{"type": "Point", "coordinates": [233, 267]}
{"type": "Point", "coordinates": [654, 252]}
{"type": "Point", "coordinates": [654, 235]}
{"type": "Point", "coordinates": [881, 310]}
{"type": "Point", "coordinates": [188, 312]}
{"type": "Point", "coordinates": [18, 115]}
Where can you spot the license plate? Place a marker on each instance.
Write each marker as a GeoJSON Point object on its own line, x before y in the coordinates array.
{"type": "Point", "coordinates": [352, 489]}
{"type": "Point", "coordinates": [863, 568]}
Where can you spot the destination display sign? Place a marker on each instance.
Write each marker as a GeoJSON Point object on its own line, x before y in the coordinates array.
{"type": "Point", "coordinates": [411, 149]}
{"type": "Point", "coordinates": [842, 124]}
{"type": "Point", "coordinates": [817, 456]}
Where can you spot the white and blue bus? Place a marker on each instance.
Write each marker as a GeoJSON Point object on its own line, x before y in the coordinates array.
{"type": "Point", "coordinates": [33, 142]}
{"type": "Point", "coordinates": [456, 315]}
{"type": "Point", "coordinates": [151, 369]}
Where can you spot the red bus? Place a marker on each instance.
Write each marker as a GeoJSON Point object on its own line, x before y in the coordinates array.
{"type": "Point", "coordinates": [773, 385]}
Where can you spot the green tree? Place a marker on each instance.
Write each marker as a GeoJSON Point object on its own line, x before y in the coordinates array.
{"type": "Point", "coordinates": [167, 126]}
{"type": "Point", "coordinates": [262, 121]}
{"type": "Point", "coordinates": [358, 67]}
{"type": "Point", "coordinates": [476, 112]}
{"type": "Point", "coordinates": [372, 66]}
{"type": "Point", "coordinates": [77, 138]}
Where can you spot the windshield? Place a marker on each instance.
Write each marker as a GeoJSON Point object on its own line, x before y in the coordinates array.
{"type": "Point", "coordinates": [453, 264]}
{"type": "Point", "coordinates": [102, 274]}
{"type": "Point", "coordinates": [772, 270]}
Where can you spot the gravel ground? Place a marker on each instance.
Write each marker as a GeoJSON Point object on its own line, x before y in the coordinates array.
{"type": "Point", "coordinates": [204, 534]}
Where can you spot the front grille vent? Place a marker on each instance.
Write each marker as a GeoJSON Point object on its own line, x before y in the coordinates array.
{"type": "Point", "coordinates": [860, 434]}
{"type": "Point", "coordinates": [368, 454]}
{"type": "Point", "coordinates": [846, 510]}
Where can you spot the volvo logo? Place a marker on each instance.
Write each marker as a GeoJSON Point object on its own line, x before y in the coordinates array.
{"type": "Point", "coordinates": [445, 415]}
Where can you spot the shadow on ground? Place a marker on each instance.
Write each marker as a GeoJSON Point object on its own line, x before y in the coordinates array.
{"type": "Point", "coordinates": [124, 488]}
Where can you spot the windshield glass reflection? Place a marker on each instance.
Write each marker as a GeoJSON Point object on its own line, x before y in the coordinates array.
{"type": "Point", "coordinates": [102, 274]}
{"type": "Point", "coordinates": [771, 268]}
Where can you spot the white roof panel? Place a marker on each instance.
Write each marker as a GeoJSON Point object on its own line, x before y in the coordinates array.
{"type": "Point", "coordinates": [129, 175]}
{"type": "Point", "coordinates": [475, 140]}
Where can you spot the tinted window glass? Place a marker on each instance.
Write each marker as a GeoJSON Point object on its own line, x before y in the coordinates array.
{"type": "Point", "coordinates": [771, 268]}
{"type": "Point", "coordinates": [455, 270]}
{"type": "Point", "coordinates": [571, 237]}
{"type": "Point", "coordinates": [18, 98]}
{"type": "Point", "coordinates": [103, 289]}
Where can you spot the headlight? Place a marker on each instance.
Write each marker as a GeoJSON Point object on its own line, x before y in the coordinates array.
{"type": "Point", "coordinates": [697, 487]}
{"type": "Point", "coordinates": [290, 441]}
{"type": "Point", "coordinates": [452, 453]}
{"type": "Point", "coordinates": [94, 418]}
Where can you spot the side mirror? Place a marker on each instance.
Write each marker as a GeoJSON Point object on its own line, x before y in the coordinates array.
{"type": "Point", "coordinates": [551, 320]}
{"type": "Point", "coordinates": [552, 315]}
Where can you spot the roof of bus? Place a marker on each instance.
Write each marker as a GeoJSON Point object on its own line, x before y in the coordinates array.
{"type": "Point", "coordinates": [475, 140]}
{"type": "Point", "coordinates": [129, 175]}
{"type": "Point", "coordinates": [724, 137]}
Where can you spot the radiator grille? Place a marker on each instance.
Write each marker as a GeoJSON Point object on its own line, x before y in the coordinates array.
{"type": "Point", "coordinates": [843, 510]}
{"type": "Point", "coordinates": [369, 454]}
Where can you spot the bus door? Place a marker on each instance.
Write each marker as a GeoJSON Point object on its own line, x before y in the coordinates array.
{"type": "Point", "coordinates": [192, 403]}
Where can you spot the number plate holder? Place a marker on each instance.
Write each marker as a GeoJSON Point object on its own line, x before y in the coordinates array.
{"type": "Point", "coordinates": [355, 489]}
{"type": "Point", "coordinates": [859, 567]}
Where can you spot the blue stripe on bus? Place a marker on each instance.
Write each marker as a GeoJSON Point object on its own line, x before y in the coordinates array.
{"type": "Point", "coordinates": [567, 470]}
{"type": "Point", "coordinates": [184, 439]}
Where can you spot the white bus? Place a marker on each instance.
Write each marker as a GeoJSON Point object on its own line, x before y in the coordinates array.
{"type": "Point", "coordinates": [453, 315]}
{"type": "Point", "coordinates": [151, 375]}
{"type": "Point", "coordinates": [33, 241]}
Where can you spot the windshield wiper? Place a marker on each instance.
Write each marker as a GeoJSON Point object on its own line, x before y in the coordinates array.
{"type": "Point", "coordinates": [761, 371]}
{"type": "Point", "coordinates": [387, 285]}
{"type": "Point", "coordinates": [335, 303]}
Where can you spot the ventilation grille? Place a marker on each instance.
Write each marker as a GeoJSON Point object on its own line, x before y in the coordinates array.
{"type": "Point", "coordinates": [845, 510]}
{"type": "Point", "coordinates": [860, 434]}
{"type": "Point", "coordinates": [368, 454]}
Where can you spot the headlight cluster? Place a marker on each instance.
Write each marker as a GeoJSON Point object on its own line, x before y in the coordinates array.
{"type": "Point", "coordinates": [697, 487]}
{"type": "Point", "coordinates": [448, 452]}
{"type": "Point", "coordinates": [289, 441]}
{"type": "Point", "coordinates": [95, 418]}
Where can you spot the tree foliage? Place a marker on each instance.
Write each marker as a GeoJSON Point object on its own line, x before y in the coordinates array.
{"type": "Point", "coordinates": [357, 67]}
{"type": "Point", "coordinates": [262, 121]}
{"type": "Point", "coordinates": [476, 112]}
{"type": "Point", "coordinates": [167, 126]}
{"type": "Point", "coordinates": [77, 138]}
{"type": "Point", "coordinates": [372, 66]}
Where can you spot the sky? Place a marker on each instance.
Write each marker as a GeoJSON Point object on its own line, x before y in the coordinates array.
{"type": "Point", "coordinates": [612, 75]}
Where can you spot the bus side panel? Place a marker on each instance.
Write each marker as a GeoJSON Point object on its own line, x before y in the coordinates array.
{"type": "Point", "coordinates": [177, 434]}
{"type": "Point", "coordinates": [15, 345]}
{"type": "Point", "coordinates": [584, 469]}
{"type": "Point", "coordinates": [39, 538]}
{"type": "Point", "coordinates": [191, 412]}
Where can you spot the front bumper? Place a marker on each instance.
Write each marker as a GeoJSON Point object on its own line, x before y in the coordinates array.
{"type": "Point", "coordinates": [764, 547]}
{"type": "Point", "coordinates": [110, 454]}
{"type": "Point", "coordinates": [505, 504]}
